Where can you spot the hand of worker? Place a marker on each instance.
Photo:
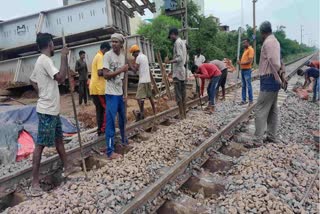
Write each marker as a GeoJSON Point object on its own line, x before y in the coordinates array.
{"type": "Point", "coordinates": [65, 51]}
{"type": "Point", "coordinates": [125, 68]}
{"type": "Point", "coordinates": [238, 62]}
{"type": "Point", "coordinates": [167, 60]}
{"type": "Point", "coordinates": [284, 84]}
{"type": "Point", "coordinates": [100, 73]}
{"type": "Point", "coordinates": [196, 75]}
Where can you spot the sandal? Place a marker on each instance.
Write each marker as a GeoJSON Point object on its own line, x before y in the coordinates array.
{"type": "Point", "coordinates": [36, 192]}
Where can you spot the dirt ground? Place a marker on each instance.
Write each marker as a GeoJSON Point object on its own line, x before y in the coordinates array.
{"type": "Point", "coordinates": [86, 113]}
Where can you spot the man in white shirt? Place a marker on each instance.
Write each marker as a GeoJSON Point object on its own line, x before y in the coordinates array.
{"type": "Point", "coordinates": [114, 68]}
{"type": "Point", "coordinates": [45, 78]}
{"type": "Point", "coordinates": [144, 87]}
{"type": "Point", "coordinates": [199, 59]}
{"type": "Point", "coordinates": [179, 71]}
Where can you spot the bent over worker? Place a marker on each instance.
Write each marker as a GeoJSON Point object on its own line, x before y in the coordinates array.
{"type": "Point", "coordinates": [314, 73]}
{"type": "Point", "coordinates": [211, 72]}
{"type": "Point", "coordinates": [114, 68]}
{"type": "Point", "coordinates": [223, 79]}
{"type": "Point", "coordinates": [45, 79]}
{"type": "Point", "coordinates": [144, 86]}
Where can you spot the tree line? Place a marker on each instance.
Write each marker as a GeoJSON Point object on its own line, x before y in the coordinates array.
{"type": "Point", "coordinates": [214, 43]}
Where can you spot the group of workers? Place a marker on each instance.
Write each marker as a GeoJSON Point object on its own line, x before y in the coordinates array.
{"type": "Point", "coordinates": [109, 68]}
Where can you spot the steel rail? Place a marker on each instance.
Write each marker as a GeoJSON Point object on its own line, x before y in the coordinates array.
{"type": "Point", "coordinates": [153, 190]}
{"type": "Point", "coordinates": [9, 183]}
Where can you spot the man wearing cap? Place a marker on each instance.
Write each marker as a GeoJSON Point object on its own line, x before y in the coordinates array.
{"type": "Point", "coordinates": [179, 72]}
{"type": "Point", "coordinates": [114, 68]}
{"type": "Point", "coordinates": [144, 87]}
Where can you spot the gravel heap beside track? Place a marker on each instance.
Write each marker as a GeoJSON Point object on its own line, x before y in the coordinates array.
{"type": "Point", "coordinates": [116, 183]}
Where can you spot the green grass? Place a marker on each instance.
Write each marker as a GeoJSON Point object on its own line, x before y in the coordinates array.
{"type": "Point", "coordinates": [293, 57]}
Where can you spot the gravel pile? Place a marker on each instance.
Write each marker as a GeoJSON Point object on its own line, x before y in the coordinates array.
{"type": "Point", "coordinates": [275, 177]}
{"type": "Point", "coordinates": [116, 183]}
{"type": "Point", "coordinates": [272, 178]}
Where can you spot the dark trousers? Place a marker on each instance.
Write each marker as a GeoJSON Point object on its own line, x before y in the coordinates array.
{"type": "Point", "coordinates": [83, 89]}
{"type": "Point", "coordinates": [211, 90]}
{"type": "Point", "coordinates": [100, 103]}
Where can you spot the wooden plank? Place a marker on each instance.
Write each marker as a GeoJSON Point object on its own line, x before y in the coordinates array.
{"type": "Point", "coordinates": [164, 76]}
{"type": "Point", "coordinates": [154, 83]}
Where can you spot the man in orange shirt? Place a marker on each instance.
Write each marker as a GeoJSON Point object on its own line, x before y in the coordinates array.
{"type": "Point", "coordinates": [246, 65]}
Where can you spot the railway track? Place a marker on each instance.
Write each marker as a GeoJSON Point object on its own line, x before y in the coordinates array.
{"type": "Point", "coordinates": [178, 171]}
{"type": "Point", "coordinates": [9, 183]}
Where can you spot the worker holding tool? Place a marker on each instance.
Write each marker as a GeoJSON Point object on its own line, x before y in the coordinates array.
{"type": "Point", "coordinates": [246, 65]}
{"type": "Point", "coordinates": [314, 73]}
{"type": "Point", "coordinates": [223, 79]}
{"type": "Point", "coordinates": [211, 72]}
{"type": "Point", "coordinates": [45, 79]}
{"type": "Point", "coordinates": [179, 71]}
{"type": "Point", "coordinates": [144, 87]}
{"type": "Point", "coordinates": [114, 68]}
{"type": "Point", "coordinates": [97, 87]}
{"type": "Point", "coordinates": [82, 69]}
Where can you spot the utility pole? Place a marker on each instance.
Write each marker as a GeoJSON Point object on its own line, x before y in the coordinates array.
{"type": "Point", "coordinates": [184, 20]}
{"type": "Point", "coordinates": [254, 32]}
{"type": "Point", "coordinates": [301, 26]}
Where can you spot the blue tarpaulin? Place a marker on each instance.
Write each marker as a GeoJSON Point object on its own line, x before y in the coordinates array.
{"type": "Point", "coordinates": [28, 118]}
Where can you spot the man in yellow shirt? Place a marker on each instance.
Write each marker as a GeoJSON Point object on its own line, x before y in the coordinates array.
{"type": "Point", "coordinates": [246, 65]}
{"type": "Point", "coordinates": [97, 87]}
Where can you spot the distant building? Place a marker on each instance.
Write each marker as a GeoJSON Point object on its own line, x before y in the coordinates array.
{"type": "Point", "coordinates": [160, 4]}
{"type": "Point", "coordinates": [224, 28]}
{"type": "Point", "coordinates": [215, 19]}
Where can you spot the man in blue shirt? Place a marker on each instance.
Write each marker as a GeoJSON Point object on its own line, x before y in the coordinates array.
{"type": "Point", "coordinates": [314, 73]}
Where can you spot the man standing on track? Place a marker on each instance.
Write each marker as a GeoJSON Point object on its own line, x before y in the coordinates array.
{"type": "Point", "coordinates": [223, 79]}
{"type": "Point", "coordinates": [97, 87]}
{"type": "Point", "coordinates": [246, 65]}
{"type": "Point", "coordinates": [144, 87]}
{"type": "Point", "coordinates": [45, 78]}
{"type": "Point", "coordinates": [114, 68]}
{"type": "Point", "coordinates": [211, 72]}
{"type": "Point", "coordinates": [82, 69]}
{"type": "Point", "coordinates": [179, 71]}
{"type": "Point", "coordinates": [272, 76]}
{"type": "Point", "coordinates": [314, 73]}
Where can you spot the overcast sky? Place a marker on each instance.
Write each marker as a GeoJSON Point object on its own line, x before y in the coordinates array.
{"type": "Point", "coordinates": [290, 13]}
